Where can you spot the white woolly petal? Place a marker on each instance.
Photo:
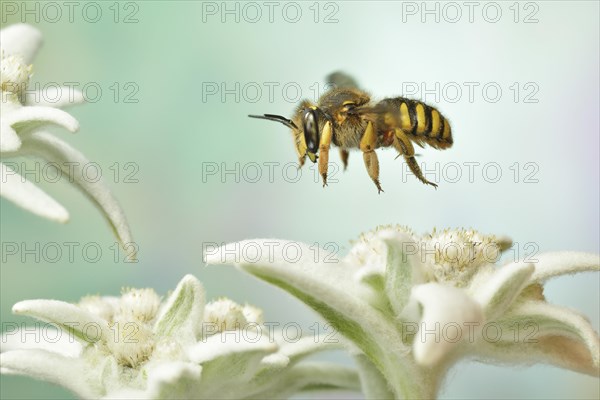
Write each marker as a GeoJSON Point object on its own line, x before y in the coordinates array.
{"type": "Point", "coordinates": [21, 39]}
{"type": "Point", "coordinates": [50, 367]}
{"type": "Point", "coordinates": [327, 286]}
{"type": "Point", "coordinates": [25, 194]}
{"type": "Point", "coordinates": [37, 115]}
{"type": "Point", "coordinates": [127, 394]}
{"type": "Point", "coordinates": [9, 140]}
{"type": "Point", "coordinates": [305, 376]}
{"type": "Point", "coordinates": [232, 344]}
{"type": "Point", "coordinates": [550, 265]}
{"type": "Point", "coordinates": [275, 258]}
{"type": "Point", "coordinates": [501, 289]}
{"type": "Point", "coordinates": [552, 320]}
{"type": "Point", "coordinates": [43, 337]}
{"type": "Point", "coordinates": [403, 270]}
{"type": "Point", "coordinates": [181, 316]}
{"type": "Point", "coordinates": [229, 360]}
{"type": "Point", "coordinates": [102, 306]}
{"type": "Point", "coordinates": [275, 361]}
{"type": "Point", "coordinates": [175, 380]}
{"type": "Point", "coordinates": [72, 163]}
{"type": "Point", "coordinates": [54, 96]}
{"type": "Point", "coordinates": [68, 317]}
{"type": "Point", "coordinates": [373, 384]}
{"type": "Point", "coordinates": [297, 349]}
{"type": "Point", "coordinates": [443, 306]}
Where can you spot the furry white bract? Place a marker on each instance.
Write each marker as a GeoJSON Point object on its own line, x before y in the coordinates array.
{"type": "Point", "coordinates": [135, 346]}
{"type": "Point", "coordinates": [24, 116]}
{"type": "Point", "coordinates": [411, 306]}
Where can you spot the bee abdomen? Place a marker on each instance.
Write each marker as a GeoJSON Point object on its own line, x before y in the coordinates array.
{"type": "Point", "coordinates": [424, 123]}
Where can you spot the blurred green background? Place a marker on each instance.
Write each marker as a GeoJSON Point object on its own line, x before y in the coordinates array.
{"type": "Point", "coordinates": [170, 59]}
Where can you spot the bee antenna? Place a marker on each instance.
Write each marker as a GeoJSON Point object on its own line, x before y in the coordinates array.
{"type": "Point", "coordinates": [278, 118]}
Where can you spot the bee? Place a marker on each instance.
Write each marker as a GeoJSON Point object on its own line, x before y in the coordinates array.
{"type": "Point", "coordinates": [346, 117]}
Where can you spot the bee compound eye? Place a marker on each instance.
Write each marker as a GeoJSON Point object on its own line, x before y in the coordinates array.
{"type": "Point", "coordinates": [311, 131]}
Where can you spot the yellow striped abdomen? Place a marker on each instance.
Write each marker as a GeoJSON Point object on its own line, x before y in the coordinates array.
{"type": "Point", "coordinates": [421, 123]}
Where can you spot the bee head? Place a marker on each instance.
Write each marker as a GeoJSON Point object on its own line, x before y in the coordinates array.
{"type": "Point", "coordinates": [306, 125]}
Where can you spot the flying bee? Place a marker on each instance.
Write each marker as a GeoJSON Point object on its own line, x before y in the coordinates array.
{"type": "Point", "coordinates": [346, 117]}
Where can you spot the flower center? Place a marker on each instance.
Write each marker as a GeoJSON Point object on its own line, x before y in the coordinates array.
{"type": "Point", "coordinates": [455, 255]}
{"type": "Point", "coordinates": [14, 74]}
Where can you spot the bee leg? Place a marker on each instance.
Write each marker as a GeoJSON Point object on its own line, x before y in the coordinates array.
{"type": "Point", "coordinates": [301, 160]}
{"type": "Point", "coordinates": [300, 144]}
{"type": "Point", "coordinates": [344, 156]}
{"type": "Point", "coordinates": [324, 151]}
{"type": "Point", "coordinates": [403, 144]}
{"type": "Point", "coordinates": [367, 146]}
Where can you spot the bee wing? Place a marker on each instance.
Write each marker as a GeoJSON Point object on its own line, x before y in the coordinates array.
{"type": "Point", "coordinates": [370, 113]}
{"type": "Point", "coordinates": [341, 80]}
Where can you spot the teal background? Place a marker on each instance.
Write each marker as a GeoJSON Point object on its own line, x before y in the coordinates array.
{"type": "Point", "coordinates": [170, 53]}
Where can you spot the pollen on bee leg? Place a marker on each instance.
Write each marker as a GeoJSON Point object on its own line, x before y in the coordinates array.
{"type": "Point", "coordinates": [388, 138]}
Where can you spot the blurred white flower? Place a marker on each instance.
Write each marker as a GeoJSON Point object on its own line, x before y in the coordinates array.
{"type": "Point", "coordinates": [412, 306]}
{"type": "Point", "coordinates": [24, 115]}
{"type": "Point", "coordinates": [136, 347]}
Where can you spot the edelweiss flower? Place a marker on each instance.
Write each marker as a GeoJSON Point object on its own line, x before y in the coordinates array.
{"type": "Point", "coordinates": [137, 347]}
{"type": "Point", "coordinates": [412, 306]}
{"type": "Point", "coordinates": [24, 114]}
